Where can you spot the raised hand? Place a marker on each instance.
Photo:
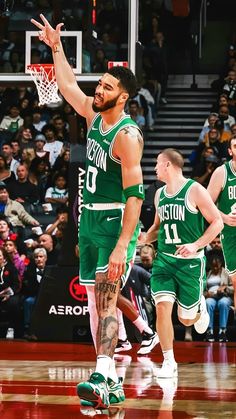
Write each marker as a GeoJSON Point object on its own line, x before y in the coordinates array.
{"type": "Point", "coordinates": [47, 34]}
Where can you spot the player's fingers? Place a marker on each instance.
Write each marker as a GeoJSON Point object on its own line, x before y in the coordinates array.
{"type": "Point", "coordinates": [39, 25]}
{"type": "Point", "coordinates": [58, 27]}
{"type": "Point", "coordinates": [112, 272]}
{"type": "Point", "coordinates": [119, 271]}
{"type": "Point", "coordinates": [45, 21]}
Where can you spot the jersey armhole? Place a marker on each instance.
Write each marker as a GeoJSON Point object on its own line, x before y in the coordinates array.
{"type": "Point", "coordinates": [224, 177]}
{"type": "Point", "coordinates": [92, 122]}
{"type": "Point", "coordinates": [188, 204]}
{"type": "Point", "coordinates": [157, 197]}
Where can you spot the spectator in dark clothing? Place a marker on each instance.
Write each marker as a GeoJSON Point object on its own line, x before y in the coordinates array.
{"type": "Point", "coordinates": [7, 152]}
{"type": "Point", "coordinates": [62, 163]}
{"type": "Point", "coordinates": [147, 255]}
{"type": "Point", "coordinates": [22, 190]}
{"type": "Point", "coordinates": [31, 285]}
{"type": "Point", "coordinates": [229, 88]}
{"type": "Point", "coordinates": [6, 174]}
{"type": "Point", "coordinates": [39, 175]}
{"type": "Point", "coordinates": [139, 282]}
{"type": "Point", "coordinates": [156, 63]}
{"type": "Point", "coordinates": [148, 209]}
{"type": "Point", "coordinates": [203, 170]}
{"type": "Point", "coordinates": [100, 62]}
{"type": "Point", "coordinates": [46, 241]}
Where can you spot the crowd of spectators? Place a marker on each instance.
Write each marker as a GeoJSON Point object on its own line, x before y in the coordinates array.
{"type": "Point", "coordinates": [34, 170]}
{"type": "Point", "coordinates": [219, 127]}
{"type": "Point", "coordinates": [211, 152]}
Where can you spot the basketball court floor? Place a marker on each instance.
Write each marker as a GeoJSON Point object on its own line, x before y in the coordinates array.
{"type": "Point", "coordinates": [38, 381]}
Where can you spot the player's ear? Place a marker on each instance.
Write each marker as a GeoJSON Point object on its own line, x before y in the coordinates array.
{"type": "Point", "coordinates": [124, 97]}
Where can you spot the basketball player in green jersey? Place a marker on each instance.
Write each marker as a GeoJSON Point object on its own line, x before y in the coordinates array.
{"type": "Point", "coordinates": [113, 195]}
{"type": "Point", "coordinates": [179, 268]}
{"type": "Point", "coordinates": [222, 188]}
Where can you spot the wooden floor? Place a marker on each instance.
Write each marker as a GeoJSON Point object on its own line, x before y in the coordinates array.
{"type": "Point", "coordinates": [38, 381]}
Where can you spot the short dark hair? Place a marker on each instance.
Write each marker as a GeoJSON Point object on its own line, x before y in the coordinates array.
{"type": "Point", "coordinates": [49, 127]}
{"type": "Point", "coordinates": [133, 102]}
{"type": "Point", "coordinates": [126, 78]}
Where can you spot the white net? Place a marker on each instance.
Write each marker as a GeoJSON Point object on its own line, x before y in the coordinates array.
{"type": "Point", "coordinates": [46, 84]}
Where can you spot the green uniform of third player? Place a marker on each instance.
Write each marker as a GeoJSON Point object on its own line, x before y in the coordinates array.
{"type": "Point", "coordinates": [180, 223]}
{"type": "Point", "coordinates": [227, 204]}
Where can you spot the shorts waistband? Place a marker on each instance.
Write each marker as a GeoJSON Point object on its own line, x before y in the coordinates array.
{"type": "Point", "coordinates": [101, 206]}
{"type": "Point", "coordinates": [197, 255]}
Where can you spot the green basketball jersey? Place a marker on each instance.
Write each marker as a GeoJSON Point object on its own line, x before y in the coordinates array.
{"type": "Point", "coordinates": [103, 180]}
{"type": "Point", "coordinates": [180, 223]}
{"type": "Point", "coordinates": [227, 197]}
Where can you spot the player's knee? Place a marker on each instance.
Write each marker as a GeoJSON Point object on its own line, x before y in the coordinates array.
{"type": "Point", "coordinates": [187, 316]}
{"type": "Point", "coordinates": [186, 322]}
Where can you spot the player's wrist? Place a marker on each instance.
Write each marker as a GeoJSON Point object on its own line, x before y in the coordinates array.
{"type": "Point", "coordinates": [122, 244]}
{"type": "Point", "coordinates": [56, 47]}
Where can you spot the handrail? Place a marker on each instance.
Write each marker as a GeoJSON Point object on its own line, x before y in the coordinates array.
{"type": "Point", "coordinates": [202, 22]}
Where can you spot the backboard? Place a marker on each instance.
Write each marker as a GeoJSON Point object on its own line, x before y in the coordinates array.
{"type": "Point", "coordinates": [92, 28]}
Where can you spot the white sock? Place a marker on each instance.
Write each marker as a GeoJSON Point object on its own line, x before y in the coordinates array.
{"type": "Point", "coordinates": [112, 374]}
{"type": "Point", "coordinates": [122, 335]}
{"type": "Point", "coordinates": [169, 356]}
{"type": "Point", "coordinates": [103, 365]}
{"type": "Point", "coordinates": [142, 325]}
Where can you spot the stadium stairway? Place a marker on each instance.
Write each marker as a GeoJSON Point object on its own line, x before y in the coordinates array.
{"type": "Point", "coordinates": [179, 122]}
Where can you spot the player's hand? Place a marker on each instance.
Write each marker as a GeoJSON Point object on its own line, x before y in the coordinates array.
{"type": "Point", "coordinates": [142, 238]}
{"type": "Point", "coordinates": [230, 219]}
{"type": "Point", "coordinates": [117, 263]}
{"type": "Point", "coordinates": [186, 250]}
{"type": "Point", "coordinates": [5, 295]}
{"type": "Point", "coordinates": [47, 34]}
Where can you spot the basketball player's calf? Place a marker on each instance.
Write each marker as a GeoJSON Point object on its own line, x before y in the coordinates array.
{"type": "Point", "coordinates": [99, 391]}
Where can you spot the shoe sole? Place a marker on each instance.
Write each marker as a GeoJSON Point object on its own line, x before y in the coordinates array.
{"type": "Point", "coordinates": [92, 397]}
{"type": "Point", "coordinates": [200, 332]}
{"type": "Point", "coordinates": [147, 349]}
{"type": "Point", "coordinates": [117, 350]}
{"type": "Point", "coordinates": [112, 399]}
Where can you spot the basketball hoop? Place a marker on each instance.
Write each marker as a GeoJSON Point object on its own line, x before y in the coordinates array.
{"type": "Point", "coordinates": [45, 81]}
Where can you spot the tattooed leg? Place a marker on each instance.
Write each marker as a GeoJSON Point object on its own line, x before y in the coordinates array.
{"type": "Point", "coordinates": [106, 293]}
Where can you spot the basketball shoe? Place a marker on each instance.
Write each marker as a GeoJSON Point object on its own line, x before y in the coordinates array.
{"type": "Point", "coordinates": [202, 323]}
{"type": "Point", "coordinates": [167, 370]}
{"type": "Point", "coordinates": [148, 343]}
{"type": "Point", "coordinates": [116, 393]}
{"type": "Point", "coordinates": [122, 346]}
{"type": "Point", "coordinates": [94, 392]}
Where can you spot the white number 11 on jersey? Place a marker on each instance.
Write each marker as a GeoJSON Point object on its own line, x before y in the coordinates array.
{"type": "Point", "coordinates": [174, 233]}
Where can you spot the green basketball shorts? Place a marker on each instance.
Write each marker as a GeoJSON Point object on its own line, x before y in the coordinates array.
{"type": "Point", "coordinates": [98, 234]}
{"type": "Point", "coordinates": [181, 280]}
{"type": "Point", "coordinates": [228, 241]}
